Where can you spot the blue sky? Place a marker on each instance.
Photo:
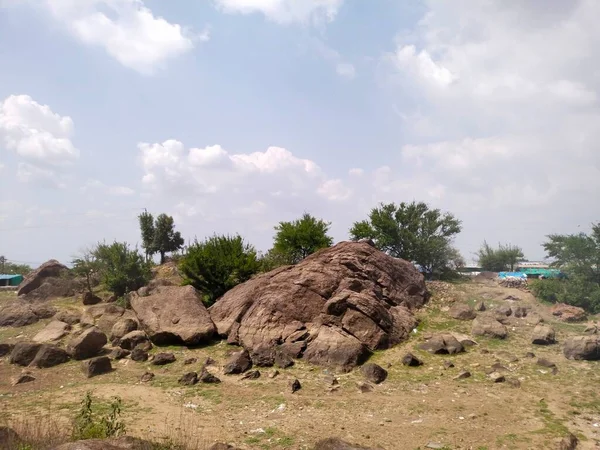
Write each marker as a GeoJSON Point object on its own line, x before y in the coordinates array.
{"type": "Point", "coordinates": [235, 114]}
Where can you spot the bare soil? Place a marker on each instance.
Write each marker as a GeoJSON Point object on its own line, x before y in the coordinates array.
{"type": "Point", "coordinates": [414, 407]}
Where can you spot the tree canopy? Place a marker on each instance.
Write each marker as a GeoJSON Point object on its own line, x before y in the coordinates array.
{"type": "Point", "coordinates": [505, 257]}
{"type": "Point", "coordinates": [295, 240]}
{"type": "Point", "coordinates": [12, 268]}
{"type": "Point", "coordinates": [414, 232]}
{"type": "Point", "coordinates": [87, 265]}
{"type": "Point", "coordinates": [159, 236]}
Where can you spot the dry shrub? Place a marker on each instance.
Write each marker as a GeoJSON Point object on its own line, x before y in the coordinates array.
{"type": "Point", "coordinates": [38, 431]}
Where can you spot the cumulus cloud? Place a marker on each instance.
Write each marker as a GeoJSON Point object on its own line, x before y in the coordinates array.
{"type": "Point", "coordinates": [96, 185]}
{"type": "Point", "coordinates": [126, 29]}
{"type": "Point", "coordinates": [285, 11]}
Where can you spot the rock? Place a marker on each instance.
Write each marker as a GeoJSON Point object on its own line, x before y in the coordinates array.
{"type": "Point", "coordinates": [69, 317]}
{"type": "Point", "coordinates": [49, 356]}
{"type": "Point", "coordinates": [6, 349]}
{"type": "Point", "coordinates": [296, 386]}
{"type": "Point", "coordinates": [96, 366]}
{"type": "Point", "coordinates": [435, 446]}
{"type": "Point", "coordinates": [252, 375]}
{"type": "Point", "coordinates": [461, 311]}
{"type": "Point", "coordinates": [147, 377]}
{"type": "Point", "coordinates": [514, 382]}
{"type": "Point", "coordinates": [448, 364]}
{"type": "Point", "coordinates": [582, 348]}
{"type": "Point", "coordinates": [221, 446]}
{"type": "Point", "coordinates": [568, 313]}
{"type": "Point", "coordinates": [442, 344]}
{"type": "Point", "coordinates": [139, 355]}
{"type": "Point", "coordinates": [336, 444]}
{"type": "Point", "coordinates": [17, 314]}
{"type": "Point", "coordinates": [121, 443]}
{"type": "Point", "coordinates": [174, 315]}
{"type": "Point", "coordinates": [374, 373]}
{"type": "Point", "coordinates": [9, 439]}
{"type": "Point", "coordinates": [545, 363]}
{"type": "Point", "coordinates": [189, 361]}
{"type": "Point", "coordinates": [104, 316]}
{"type": "Point", "coordinates": [569, 442]}
{"type": "Point", "coordinates": [411, 360]}
{"type": "Point", "coordinates": [239, 362]}
{"type": "Point", "coordinates": [520, 311]}
{"type": "Point", "coordinates": [488, 326]}
{"type": "Point", "coordinates": [533, 319]}
{"type": "Point", "coordinates": [274, 374]}
{"type": "Point", "coordinates": [503, 310]}
{"type": "Point", "coordinates": [354, 299]}
{"type": "Point", "coordinates": [591, 329]}
{"type": "Point", "coordinates": [89, 343]}
{"type": "Point", "coordinates": [51, 279]}
{"type": "Point", "coordinates": [25, 377]}
{"type": "Point", "coordinates": [543, 335]}
{"type": "Point", "coordinates": [121, 328]}
{"type": "Point", "coordinates": [529, 355]}
{"type": "Point", "coordinates": [497, 377]}
{"type": "Point", "coordinates": [209, 362]}
{"type": "Point", "coordinates": [24, 352]}
{"type": "Point", "coordinates": [119, 353]}
{"type": "Point", "coordinates": [480, 306]}
{"type": "Point", "coordinates": [188, 379]}
{"type": "Point", "coordinates": [134, 338]}
{"type": "Point", "coordinates": [207, 377]}
{"type": "Point", "coordinates": [263, 355]}
{"type": "Point", "coordinates": [160, 359]}
{"type": "Point", "coordinates": [54, 331]}
{"type": "Point", "coordinates": [464, 374]}
{"type": "Point", "coordinates": [283, 360]}
{"type": "Point", "coordinates": [364, 387]}
{"type": "Point", "coordinates": [88, 298]}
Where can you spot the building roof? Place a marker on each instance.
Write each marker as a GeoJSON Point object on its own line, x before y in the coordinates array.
{"type": "Point", "coordinates": [9, 277]}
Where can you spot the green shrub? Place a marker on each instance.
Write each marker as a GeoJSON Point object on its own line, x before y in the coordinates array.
{"type": "Point", "coordinates": [90, 425]}
{"type": "Point", "coordinates": [218, 264]}
{"type": "Point", "coordinates": [122, 269]}
{"type": "Point", "coordinates": [547, 290]}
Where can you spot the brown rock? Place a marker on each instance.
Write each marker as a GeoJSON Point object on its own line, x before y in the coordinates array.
{"type": "Point", "coordinates": [411, 360]}
{"type": "Point", "coordinates": [207, 377]}
{"type": "Point", "coordinates": [174, 315]}
{"type": "Point", "coordinates": [263, 355]}
{"type": "Point", "coordinates": [121, 443]}
{"type": "Point", "coordinates": [464, 374]}
{"type": "Point", "coordinates": [374, 373]}
{"type": "Point", "coordinates": [545, 363]}
{"type": "Point", "coordinates": [119, 353]}
{"type": "Point", "coordinates": [568, 313]}
{"type": "Point", "coordinates": [161, 359]}
{"type": "Point", "coordinates": [133, 339]}
{"type": "Point", "coordinates": [5, 349]}
{"type": "Point", "coordinates": [96, 366]}
{"type": "Point", "coordinates": [283, 360]}
{"type": "Point", "coordinates": [583, 348]}
{"type": "Point", "coordinates": [364, 387]}
{"type": "Point", "coordinates": [488, 326]}
{"type": "Point", "coordinates": [480, 306]}
{"type": "Point", "coordinates": [89, 343]}
{"type": "Point", "coordinates": [239, 362]}
{"type": "Point", "coordinates": [252, 375]}
{"type": "Point", "coordinates": [25, 377]}
{"type": "Point", "coordinates": [69, 317]}
{"type": "Point", "coordinates": [147, 377]}
{"type": "Point", "coordinates": [17, 314]}
{"type": "Point", "coordinates": [442, 344]}
{"type": "Point", "coordinates": [354, 299]}
{"type": "Point", "coordinates": [54, 331]}
{"type": "Point", "coordinates": [49, 356]}
{"type": "Point", "coordinates": [337, 444]}
{"type": "Point", "coordinates": [520, 311]}
{"type": "Point", "coordinates": [139, 355]}
{"type": "Point", "coordinates": [189, 361]}
{"type": "Point", "coordinates": [503, 310]}
{"type": "Point", "coordinates": [51, 279]}
{"type": "Point", "coordinates": [122, 327]}
{"type": "Point", "coordinates": [543, 335]}
{"type": "Point", "coordinates": [88, 298]}
{"type": "Point", "coordinates": [461, 311]}
{"type": "Point", "coordinates": [24, 352]}
{"type": "Point", "coordinates": [188, 379]}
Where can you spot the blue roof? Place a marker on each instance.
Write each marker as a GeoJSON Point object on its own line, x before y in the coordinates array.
{"type": "Point", "coordinates": [8, 277]}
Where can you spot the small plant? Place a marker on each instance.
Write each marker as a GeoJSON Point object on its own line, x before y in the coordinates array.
{"type": "Point", "coordinates": [88, 425]}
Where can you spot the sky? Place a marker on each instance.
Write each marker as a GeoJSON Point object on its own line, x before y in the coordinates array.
{"type": "Point", "coordinates": [234, 115]}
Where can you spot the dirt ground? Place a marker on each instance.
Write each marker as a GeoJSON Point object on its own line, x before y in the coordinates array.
{"type": "Point", "coordinates": [415, 407]}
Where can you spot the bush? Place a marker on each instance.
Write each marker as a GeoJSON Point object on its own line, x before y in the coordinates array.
{"type": "Point", "coordinates": [218, 264]}
{"type": "Point", "coordinates": [574, 291]}
{"type": "Point", "coordinates": [547, 290]}
{"type": "Point", "coordinates": [90, 425]}
{"type": "Point", "coordinates": [122, 269]}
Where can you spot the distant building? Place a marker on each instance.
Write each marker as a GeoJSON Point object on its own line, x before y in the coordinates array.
{"type": "Point", "coordinates": [10, 280]}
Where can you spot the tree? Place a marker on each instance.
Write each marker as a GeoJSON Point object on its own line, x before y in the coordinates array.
{"type": "Point", "coordinates": [11, 268]}
{"type": "Point", "coordinates": [505, 257]}
{"type": "Point", "coordinates": [147, 228]}
{"type": "Point", "coordinates": [166, 239]}
{"type": "Point", "coordinates": [296, 240]}
{"type": "Point", "coordinates": [218, 264]}
{"type": "Point", "coordinates": [414, 232]}
{"type": "Point", "coordinates": [122, 269]}
{"type": "Point", "coordinates": [87, 266]}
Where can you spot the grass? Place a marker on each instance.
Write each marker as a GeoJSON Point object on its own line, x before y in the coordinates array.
{"type": "Point", "coordinates": [553, 426]}
{"type": "Point", "coordinates": [271, 438]}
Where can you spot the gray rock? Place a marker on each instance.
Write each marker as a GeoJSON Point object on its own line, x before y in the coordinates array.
{"type": "Point", "coordinates": [160, 359]}
{"type": "Point", "coordinates": [583, 348]}
{"type": "Point", "coordinates": [543, 335]}
{"type": "Point", "coordinates": [374, 373]}
{"type": "Point", "coordinates": [49, 356]}
{"type": "Point", "coordinates": [88, 344]}
{"type": "Point", "coordinates": [239, 362]}
{"type": "Point", "coordinates": [488, 326]}
{"type": "Point", "coordinates": [24, 352]}
{"type": "Point", "coordinates": [54, 331]}
{"type": "Point", "coordinates": [96, 366]}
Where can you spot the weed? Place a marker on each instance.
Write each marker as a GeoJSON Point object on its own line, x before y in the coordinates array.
{"type": "Point", "coordinates": [88, 425]}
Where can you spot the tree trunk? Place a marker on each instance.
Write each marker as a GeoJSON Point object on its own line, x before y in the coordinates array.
{"type": "Point", "coordinates": [162, 257]}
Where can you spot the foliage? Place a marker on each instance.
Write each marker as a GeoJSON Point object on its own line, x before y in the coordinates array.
{"type": "Point", "coordinates": [414, 232]}
{"type": "Point", "coordinates": [505, 257]}
{"type": "Point", "coordinates": [272, 260]}
{"type": "Point", "coordinates": [90, 425]}
{"type": "Point", "coordinates": [87, 266]}
{"type": "Point", "coordinates": [122, 269]}
{"type": "Point", "coordinates": [547, 290]}
{"type": "Point", "coordinates": [11, 268]}
{"type": "Point", "coordinates": [159, 236]}
{"type": "Point", "coordinates": [218, 264]}
{"type": "Point", "coordinates": [295, 240]}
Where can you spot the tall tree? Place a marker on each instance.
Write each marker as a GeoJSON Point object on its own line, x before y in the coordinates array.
{"type": "Point", "coordinates": [295, 240]}
{"type": "Point", "coordinates": [87, 265]}
{"type": "Point", "coordinates": [147, 229]}
{"type": "Point", "coordinates": [414, 232]}
{"type": "Point", "coordinates": [166, 239]}
{"type": "Point", "coordinates": [505, 257]}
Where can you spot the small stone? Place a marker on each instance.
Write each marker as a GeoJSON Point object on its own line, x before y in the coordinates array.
{"type": "Point", "coordinates": [463, 375]}
{"type": "Point", "coordinates": [146, 377]}
{"type": "Point", "coordinates": [545, 363]}
{"type": "Point", "coordinates": [188, 379]}
{"type": "Point", "coordinates": [497, 377]}
{"type": "Point", "coordinates": [274, 374]}
{"type": "Point", "coordinates": [296, 386]}
{"type": "Point", "coordinates": [252, 375]}
{"type": "Point", "coordinates": [411, 360]}
{"type": "Point", "coordinates": [209, 378]}
{"type": "Point", "coordinates": [374, 373]}
{"type": "Point", "coordinates": [365, 387]}
{"type": "Point", "coordinates": [448, 364]}
{"type": "Point", "coordinates": [25, 377]}
{"type": "Point", "coordinates": [189, 361]}
{"type": "Point", "coordinates": [119, 353]}
{"type": "Point", "coordinates": [161, 359]}
{"type": "Point", "coordinates": [96, 366]}
{"type": "Point", "coordinates": [139, 355]}
{"type": "Point", "coordinates": [435, 445]}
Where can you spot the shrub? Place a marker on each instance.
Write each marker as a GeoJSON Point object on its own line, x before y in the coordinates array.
{"type": "Point", "coordinates": [90, 425]}
{"type": "Point", "coordinates": [122, 269]}
{"type": "Point", "coordinates": [218, 264]}
{"type": "Point", "coordinates": [547, 290]}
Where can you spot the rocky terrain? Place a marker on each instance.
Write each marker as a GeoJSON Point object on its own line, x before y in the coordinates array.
{"type": "Point", "coordinates": [349, 344]}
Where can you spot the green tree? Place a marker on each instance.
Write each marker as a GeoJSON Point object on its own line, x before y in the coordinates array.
{"type": "Point", "coordinates": [505, 257]}
{"type": "Point", "coordinates": [122, 269]}
{"type": "Point", "coordinates": [218, 264]}
{"type": "Point", "coordinates": [166, 239]}
{"type": "Point", "coordinates": [295, 240]}
{"type": "Point", "coordinates": [147, 228]}
{"type": "Point", "coordinates": [12, 268]}
{"type": "Point", "coordinates": [414, 232]}
{"type": "Point", "coordinates": [87, 266]}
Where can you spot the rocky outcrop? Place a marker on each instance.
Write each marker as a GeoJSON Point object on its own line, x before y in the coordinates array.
{"type": "Point", "coordinates": [121, 328]}
{"type": "Point", "coordinates": [490, 327]}
{"type": "Point", "coordinates": [174, 315]}
{"type": "Point", "coordinates": [89, 343]}
{"type": "Point", "coordinates": [543, 335]}
{"type": "Point", "coordinates": [52, 279]}
{"type": "Point", "coordinates": [332, 309]}
{"type": "Point", "coordinates": [583, 348]}
{"type": "Point", "coordinates": [22, 313]}
{"type": "Point", "coordinates": [568, 313]}
{"type": "Point", "coordinates": [54, 331]}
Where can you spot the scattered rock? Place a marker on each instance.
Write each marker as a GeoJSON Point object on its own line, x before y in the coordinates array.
{"type": "Point", "coordinates": [189, 361]}
{"type": "Point", "coordinates": [207, 377]}
{"type": "Point", "coordinates": [545, 363]}
{"type": "Point", "coordinates": [252, 375]}
{"type": "Point", "coordinates": [274, 374]}
{"type": "Point", "coordinates": [488, 326]}
{"type": "Point", "coordinates": [96, 366]}
{"type": "Point", "coordinates": [25, 377]}
{"type": "Point", "coordinates": [24, 352]}
{"type": "Point", "coordinates": [503, 310]}
{"type": "Point", "coordinates": [134, 338]}
{"type": "Point", "coordinates": [582, 348]}
{"type": "Point", "coordinates": [296, 386]}
{"type": "Point", "coordinates": [543, 335]}
{"type": "Point", "coordinates": [6, 349]}
{"type": "Point", "coordinates": [497, 377]}
{"type": "Point", "coordinates": [69, 317]}
{"type": "Point", "coordinates": [88, 298]}
{"type": "Point", "coordinates": [239, 362]}
{"type": "Point", "coordinates": [122, 327]}
{"type": "Point", "coordinates": [54, 331]}
{"type": "Point", "coordinates": [189, 379]}
{"type": "Point", "coordinates": [364, 387]}
{"type": "Point", "coordinates": [139, 355]}
{"type": "Point", "coordinates": [461, 311]}
{"type": "Point", "coordinates": [147, 377]}
{"type": "Point", "coordinates": [119, 353]}
{"type": "Point", "coordinates": [374, 373]}
{"type": "Point", "coordinates": [569, 442]}
{"type": "Point", "coordinates": [448, 364]}
{"type": "Point", "coordinates": [529, 355]}
{"type": "Point", "coordinates": [89, 343]}
{"type": "Point", "coordinates": [221, 446]}
{"type": "Point", "coordinates": [411, 360]}
{"type": "Point", "coordinates": [160, 359]}
{"type": "Point", "coordinates": [520, 311]}
{"type": "Point", "coordinates": [442, 344]}
{"type": "Point", "coordinates": [49, 356]}
{"type": "Point", "coordinates": [568, 313]}
{"type": "Point", "coordinates": [464, 374]}
{"type": "Point", "coordinates": [336, 444]}
{"type": "Point", "coordinates": [480, 306]}
{"type": "Point", "coordinates": [174, 315]}
{"type": "Point", "coordinates": [121, 443]}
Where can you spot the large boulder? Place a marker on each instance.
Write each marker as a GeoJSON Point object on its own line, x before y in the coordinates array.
{"type": "Point", "coordinates": [51, 279]}
{"type": "Point", "coordinates": [488, 326]}
{"type": "Point", "coordinates": [543, 335]}
{"type": "Point", "coordinates": [24, 352]}
{"type": "Point", "coordinates": [89, 343]}
{"type": "Point", "coordinates": [133, 339]}
{"type": "Point", "coordinates": [49, 356]}
{"type": "Point", "coordinates": [105, 316]}
{"type": "Point", "coordinates": [568, 313]}
{"type": "Point", "coordinates": [54, 331]}
{"type": "Point", "coordinates": [122, 327]}
{"type": "Point", "coordinates": [174, 315]}
{"type": "Point", "coordinates": [583, 348]}
{"type": "Point", "coordinates": [96, 366]}
{"type": "Point", "coordinates": [17, 314]}
{"type": "Point", "coordinates": [333, 308]}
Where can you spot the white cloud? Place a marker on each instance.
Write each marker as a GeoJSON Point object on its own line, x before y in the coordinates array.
{"type": "Point", "coordinates": [345, 70]}
{"type": "Point", "coordinates": [285, 11]}
{"type": "Point", "coordinates": [126, 29]}
{"type": "Point", "coordinates": [28, 173]}
{"type": "Point", "coordinates": [335, 190]}
{"type": "Point", "coordinates": [119, 191]}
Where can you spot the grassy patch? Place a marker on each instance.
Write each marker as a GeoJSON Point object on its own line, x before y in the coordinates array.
{"type": "Point", "coordinates": [271, 438]}
{"type": "Point", "coordinates": [553, 426]}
